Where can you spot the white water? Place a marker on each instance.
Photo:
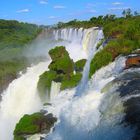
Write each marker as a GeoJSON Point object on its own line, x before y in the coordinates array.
{"type": "Point", "coordinates": [55, 89]}
{"type": "Point", "coordinates": [93, 37]}
{"type": "Point", "coordinates": [20, 98]}
{"type": "Point", "coordinates": [78, 42]}
{"type": "Point", "coordinates": [81, 118]}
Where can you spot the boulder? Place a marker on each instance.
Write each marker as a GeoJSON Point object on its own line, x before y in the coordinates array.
{"type": "Point", "coordinates": [33, 124]}
{"type": "Point", "coordinates": [133, 61]}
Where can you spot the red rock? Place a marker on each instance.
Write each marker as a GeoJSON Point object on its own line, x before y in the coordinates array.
{"type": "Point", "coordinates": [133, 62]}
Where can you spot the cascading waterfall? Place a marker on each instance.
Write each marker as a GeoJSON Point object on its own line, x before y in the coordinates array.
{"type": "Point", "coordinates": [55, 89]}
{"type": "Point", "coordinates": [93, 115]}
{"type": "Point", "coordinates": [21, 96]}
{"type": "Point", "coordinates": [92, 38]}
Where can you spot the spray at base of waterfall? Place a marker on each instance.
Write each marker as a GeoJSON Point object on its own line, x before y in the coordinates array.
{"type": "Point", "coordinates": [94, 115]}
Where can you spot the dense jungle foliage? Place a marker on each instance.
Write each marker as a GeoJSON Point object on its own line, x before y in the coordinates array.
{"type": "Point", "coordinates": [14, 36]}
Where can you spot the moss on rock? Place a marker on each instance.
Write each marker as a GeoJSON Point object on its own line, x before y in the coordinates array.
{"type": "Point", "coordinates": [58, 52]}
{"type": "Point", "coordinates": [63, 65]}
{"type": "Point", "coordinates": [72, 82]}
{"type": "Point", "coordinates": [79, 65]}
{"type": "Point", "coordinates": [45, 81]}
{"type": "Point", "coordinates": [32, 124]}
{"type": "Point", "coordinates": [61, 70]}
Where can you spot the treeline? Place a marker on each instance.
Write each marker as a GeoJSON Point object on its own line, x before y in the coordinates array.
{"type": "Point", "coordinates": [16, 34]}
{"type": "Point", "coordinates": [122, 36]}
{"type": "Point", "coordinates": [99, 21]}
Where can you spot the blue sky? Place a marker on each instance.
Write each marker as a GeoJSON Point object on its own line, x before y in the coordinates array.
{"type": "Point", "coordinates": [51, 11]}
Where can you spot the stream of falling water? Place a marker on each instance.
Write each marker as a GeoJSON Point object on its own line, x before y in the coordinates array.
{"type": "Point", "coordinates": [92, 115]}
{"type": "Point", "coordinates": [21, 96]}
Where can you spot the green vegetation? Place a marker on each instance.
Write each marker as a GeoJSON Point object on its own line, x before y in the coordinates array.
{"type": "Point", "coordinates": [71, 82]}
{"type": "Point", "coordinates": [122, 35]}
{"type": "Point", "coordinates": [79, 65]}
{"type": "Point", "coordinates": [61, 70]}
{"type": "Point", "coordinates": [101, 59]}
{"type": "Point", "coordinates": [45, 81]}
{"type": "Point", "coordinates": [61, 62]}
{"type": "Point", "coordinates": [100, 43]}
{"type": "Point", "coordinates": [8, 71]}
{"type": "Point", "coordinates": [16, 34]}
{"type": "Point", "coordinates": [31, 124]}
{"type": "Point", "coordinates": [14, 37]}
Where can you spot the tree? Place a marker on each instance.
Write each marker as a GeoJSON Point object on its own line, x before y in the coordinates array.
{"type": "Point", "coordinates": [124, 13]}
{"type": "Point", "coordinates": [127, 13]}
{"type": "Point", "coordinates": [136, 13]}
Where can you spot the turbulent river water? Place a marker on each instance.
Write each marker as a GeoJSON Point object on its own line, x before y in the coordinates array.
{"type": "Point", "coordinates": [94, 110]}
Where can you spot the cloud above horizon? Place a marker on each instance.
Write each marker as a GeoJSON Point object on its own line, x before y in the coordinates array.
{"type": "Point", "coordinates": [118, 8]}
{"type": "Point", "coordinates": [117, 3]}
{"type": "Point", "coordinates": [43, 2]}
{"type": "Point", "coordinates": [52, 17]}
{"type": "Point", "coordinates": [59, 7]}
{"type": "Point", "coordinates": [23, 11]}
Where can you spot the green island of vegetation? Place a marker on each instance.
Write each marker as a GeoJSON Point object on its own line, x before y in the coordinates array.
{"type": "Point", "coordinates": [61, 69]}
{"type": "Point", "coordinates": [32, 124]}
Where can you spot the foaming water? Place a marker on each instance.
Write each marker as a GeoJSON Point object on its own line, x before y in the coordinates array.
{"type": "Point", "coordinates": [94, 115]}
{"type": "Point", "coordinates": [20, 98]}
{"type": "Point", "coordinates": [94, 37]}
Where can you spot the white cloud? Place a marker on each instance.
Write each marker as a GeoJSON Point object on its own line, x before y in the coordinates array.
{"type": "Point", "coordinates": [91, 11]}
{"type": "Point", "coordinates": [117, 3]}
{"type": "Point", "coordinates": [59, 7]}
{"type": "Point", "coordinates": [23, 11]}
{"type": "Point", "coordinates": [52, 17]}
{"type": "Point", "coordinates": [118, 8]}
{"type": "Point", "coordinates": [43, 2]}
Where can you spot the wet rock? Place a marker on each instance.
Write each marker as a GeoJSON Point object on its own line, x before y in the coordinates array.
{"type": "Point", "coordinates": [33, 124]}
{"type": "Point", "coordinates": [133, 61]}
{"type": "Point", "coordinates": [132, 116]}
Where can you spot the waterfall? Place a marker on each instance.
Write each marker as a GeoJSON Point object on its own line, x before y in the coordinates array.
{"type": "Point", "coordinates": [20, 98]}
{"type": "Point", "coordinates": [91, 38]}
{"type": "Point", "coordinates": [93, 115]}
{"type": "Point", "coordinates": [55, 89]}
{"type": "Point", "coordinates": [84, 37]}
